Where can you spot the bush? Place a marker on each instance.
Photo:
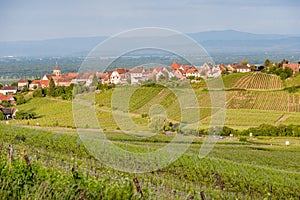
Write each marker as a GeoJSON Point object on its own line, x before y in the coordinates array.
{"type": "Point", "coordinates": [243, 139]}
{"type": "Point", "coordinates": [1, 115]}
{"type": "Point", "coordinates": [25, 115]}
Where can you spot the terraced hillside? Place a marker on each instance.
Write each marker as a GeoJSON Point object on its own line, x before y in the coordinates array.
{"type": "Point", "coordinates": [253, 81]}
{"type": "Point", "coordinates": [244, 108]}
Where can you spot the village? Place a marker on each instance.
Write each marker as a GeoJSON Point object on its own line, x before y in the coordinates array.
{"type": "Point", "coordinates": [136, 75]}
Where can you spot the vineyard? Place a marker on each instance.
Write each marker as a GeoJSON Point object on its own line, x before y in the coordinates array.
{"type": "Point", "coordinates": [50, 165]}
{"type": "Point", "coordinates": [257, 107]}
{"type": "Point", "coordinates": [258, 81]}
{"type": "Point", "coordinates": [277, 101]}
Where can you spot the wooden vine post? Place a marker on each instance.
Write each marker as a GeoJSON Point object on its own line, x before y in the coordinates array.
{"type": "Point", "coordinates": [137, 186]}
{"type": "Point", "coordinates": [10, 155]}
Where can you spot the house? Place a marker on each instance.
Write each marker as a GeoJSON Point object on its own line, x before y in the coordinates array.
{"type": "Point", "coordinates": [242, 68]}
{"type": "Point", "coordinates": [239, 68]}
{"type": "Point", "coordinates": [179, 74]}
{"type": "Point", "coordinates": [115, 77]}
{"type": "Point", "coordinates": [38, 84]}
{"type": "Point", "coordinates": [208, 65]}
{"type": "Point", "coordinates": [175, 66]}
{"type": "Point", "coordinates": [164, 73]}
{"type": "Point", "coordinates": [184, 67]}
{"type": "Point", "coordinates": [136, 75]}
{"type": "Point", "coordinates": [82, 77]}
{"type": "Point", "coordinates": [103, 77]}
{"type": "Point", "coordinates": [8, 90]}
{"type": "Point", "coordinates": [56, 73]}
{"type": "Point", "coordinates": [9, 112]}
{"type": "Point", "coordinates": [214, 72]}
{"type": "Point", "coordinates": [222, 67]}
{"type": "Point", "coordinates": [192, 72]}
{"type": "Point", "coordinates": [9, 98]}
{"type": "Point", "coordinates": [22, 83]}
{"type": "Point", "coordinates": [294, 66]}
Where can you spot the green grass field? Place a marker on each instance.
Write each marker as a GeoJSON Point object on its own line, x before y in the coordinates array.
{"type": "Point", "coordinates": [61, 168]}
{"type": "Point", "coordinates": [238, 167]}
{"type": "Point", "coordinates": [244, 109]}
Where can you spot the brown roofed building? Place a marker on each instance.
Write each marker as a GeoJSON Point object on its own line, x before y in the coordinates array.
{"type": "Point", "coordinates": [8, 90]}
{"type": "Point", "coordinates": [294, 66]}
{"type": "Point", "coordinates": [22, 83]}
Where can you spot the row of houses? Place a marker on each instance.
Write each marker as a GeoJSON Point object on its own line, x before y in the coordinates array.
{"type": "Point", "coordinates": [122, 75]}
{"type": "Point", "coordinates": [141, 74]}
{"type": "Point", "coordinates": [135, 75]}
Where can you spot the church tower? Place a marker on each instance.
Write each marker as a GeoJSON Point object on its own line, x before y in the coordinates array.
{"type": "Point", "coordinates": [56, 70]}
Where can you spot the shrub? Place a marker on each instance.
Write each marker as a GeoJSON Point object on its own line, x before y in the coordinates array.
{"type": "Point", "coordinates": [1, 115]}
{"type": "Point", "coordinates": [25, 115]}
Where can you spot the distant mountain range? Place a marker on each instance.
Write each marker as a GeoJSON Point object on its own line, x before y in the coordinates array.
{"type": "Point", "coordinates": [215, 42]}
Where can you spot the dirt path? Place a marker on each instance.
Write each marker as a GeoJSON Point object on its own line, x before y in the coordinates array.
{"type": "Point", "coordinates": [283, 117]}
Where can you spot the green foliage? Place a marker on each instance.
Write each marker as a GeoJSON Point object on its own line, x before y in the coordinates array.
{"type": "Point", "coordinates": [225, 72]}
{"type": "Point", "coordinates": [243, 139]}
{"type": "Point", "coordinates": [14, 84]}
{"type": "Point", "coordinates": [61, 168]}
{"type": "Point", "coordinates": [267, 63]}
{"type": "Point", "coordinates": [20, 99]}
{"type": "Point", "coordinates": [25, 115]}
{"type": "Point", "coordinates": [5, 103]}
{"type": "Point", "coordinates": [39, 92]}
{"type": "Point", "coordinates": [51, 88]}
{"type": "Point", "coordinates": [1, 115]}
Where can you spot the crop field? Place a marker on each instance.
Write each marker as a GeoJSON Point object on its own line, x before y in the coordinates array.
{"type": "Point", "coordinates": [253, 81]}
{"type": "Point", "coordinates": [257, 168]}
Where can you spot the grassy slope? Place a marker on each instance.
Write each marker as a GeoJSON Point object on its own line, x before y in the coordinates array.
{"type": "Point", "coordinates": [233, 169]}
{"type": "Point", "coordinates": [241, 112]}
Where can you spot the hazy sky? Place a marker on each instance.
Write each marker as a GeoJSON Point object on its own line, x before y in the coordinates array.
{"type": "Point", "coordinates": [38, 19]}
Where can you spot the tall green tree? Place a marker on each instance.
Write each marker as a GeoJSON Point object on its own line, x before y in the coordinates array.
{"type": "Point", "coordinates": [267, 63]}
{"type": "Point", "coordinates": [51, 88]}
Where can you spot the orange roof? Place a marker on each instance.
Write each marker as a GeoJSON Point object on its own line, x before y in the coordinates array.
{"type": "Point", "coordinates": [23, 81]}
{"type": "Point", "coordinates": [293, 66]}
{"type": "Point", "coordinates": [121, 70]}
{"type": "Point", "coordinates": [5, 98]}
{"type": "Point", "coordinates": [73, 74]}
{"type": "Point", "coordinates": [192, 70]}
{"type": "Point", "coordinates": [41, 82]}
{"type": "Point", "coordinates": [175, 65]}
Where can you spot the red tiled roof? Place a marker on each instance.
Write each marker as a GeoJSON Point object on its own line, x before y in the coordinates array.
{"type": "Point", "coordinates": [175, 65]}
{"type": "Point", "coordinates": [121, 70]}
{"type": "Point", "coordinates": [41, 82]}
{"type": "Point", "coordinates": [23, 81]}
{"type": "Point", "coordinates": [139, 69]}
{"type": "Point", "coordinates": [5, 98]}
{"type": "Point", "coordinates": [293, 66]}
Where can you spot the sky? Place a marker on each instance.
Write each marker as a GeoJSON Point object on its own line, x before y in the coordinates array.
{"type": "Point", "coordinates": [38, 19]}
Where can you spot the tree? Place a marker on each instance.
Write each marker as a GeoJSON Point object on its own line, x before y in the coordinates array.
{"type": "Point", "coordinates": [1, 85]}
{"type": "Point", "coordinates": [20, 99]}
{"type": "Point", "coordinates": [5, 103]}
{"type": "Point", "coordinates": [94, 83]}
{"type": "Point", "coordinates": [14, 84]}
{"type": "Point", "coordinates": [51, 88]}
{"type": "Point", "coordinates": [38, 93]}
{"type": "Point", "coordinates": [253, 68]}
{"type": "Point", "coordinates": [225, 72]}
{"type": "Point", "coordinates": [267, 63]}
{"type": "Point", "coordinates": [288, 71]}
{"type": "Point", "coordinates": [25, 89]}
